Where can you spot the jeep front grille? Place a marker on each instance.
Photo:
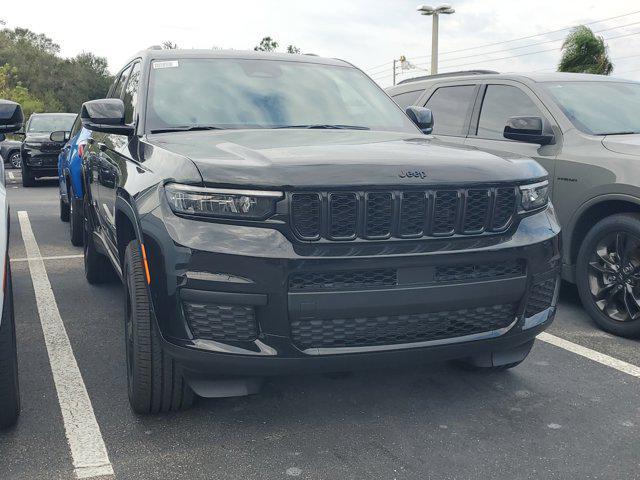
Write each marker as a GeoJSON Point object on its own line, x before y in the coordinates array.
{"type": "Point", "coordinates": [378, 215]}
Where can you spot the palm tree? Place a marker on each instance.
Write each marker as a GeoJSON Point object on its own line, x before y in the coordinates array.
{"type": "Point", "coordinates": [584, 52]}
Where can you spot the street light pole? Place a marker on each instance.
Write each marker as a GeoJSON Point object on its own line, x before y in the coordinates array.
{"type": "Point", "coordinates": [435, 13]}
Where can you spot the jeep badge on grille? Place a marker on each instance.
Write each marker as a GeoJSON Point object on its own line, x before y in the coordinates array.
{"type": "Point", "coordinates": [412, 174]}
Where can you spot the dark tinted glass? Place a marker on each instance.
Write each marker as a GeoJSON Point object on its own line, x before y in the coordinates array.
{"type": "Point", "coordinates": [501, 102]}
{"type": "Point", "coordinates": [122, 81]}
{"type": "Point", "coordinates": [241, 93]}
{"type": "Point", "coordinates": [131, 93]}
{"type": "Point", "coordinates": [407, 99]}
{"type": "Point", "coordinates": [451, 107]}
{"type": "Point", "coordinates": [77, 125]}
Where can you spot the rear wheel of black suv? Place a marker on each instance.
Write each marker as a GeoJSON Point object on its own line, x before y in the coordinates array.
{"type": "Point", "coordinates": [97, 268]}
{"type": "Point", "coordinates": [608, 274]}
{"type": "Point", "coordinates": [76, 219]}
{"type": "Point", "coordinates": [28, 180]}
{"type": "Point", "coordinates": [9, 388]}
{"type": "Point", "coordinates": [155, 383]}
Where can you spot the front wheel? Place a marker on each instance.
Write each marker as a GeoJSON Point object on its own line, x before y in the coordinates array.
{"type": "Point", "coordinates": [155, 383]}
{"type": "Point", "coordinates": [608, 274]}
{"type": "Point", "coordinates": [9, 388]}
{"type": "Point", "coordinates": [15, 160]}
{"type": "Point", "coordinates": [28, 180]}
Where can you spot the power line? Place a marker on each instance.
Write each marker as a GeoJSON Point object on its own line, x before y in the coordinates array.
{"type": "Point", "coordinates": [526, 54]}
{"type": "Point", "coordinates": [386, 64]}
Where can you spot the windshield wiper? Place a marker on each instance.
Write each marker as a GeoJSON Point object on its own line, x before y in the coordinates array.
{"type": "Point", "coordinates": [187, 128]}
{"type": "Point", "coordinates": [619, 133]}
{"type": "Point", "coordinates": [326, 127]}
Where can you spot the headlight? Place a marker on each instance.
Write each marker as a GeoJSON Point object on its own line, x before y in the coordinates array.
{"type": "Point", "coordinates": [221, 203]}
{"type": "Point", "coordinates": [534, 196]}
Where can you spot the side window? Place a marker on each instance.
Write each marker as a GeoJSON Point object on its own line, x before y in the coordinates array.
{"type": "Point", "coordinates": [501, 102]}
{"type": "Point", "coordinates": [116, 91]}
{"type": "Point", "coordinates": [407, 99]}
{"type": "Point", "coordinates": [77, 125]}
{"type": "Point", "coordinates": [131, 93]}
{"type": "Point", "coordinates": [451, 107]}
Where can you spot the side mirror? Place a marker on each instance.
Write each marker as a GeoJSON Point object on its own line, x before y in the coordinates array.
{"type": "Point", "coordinates": [527, 130]}
{"type": "Point", "coordinates": [60, 136]}
{"type": "Point", "coordinates": [11, 117]}
{"type": "Point", "coordinates": [422, 117]}
{"type": "Point", "coordinates": [3, 137]}
{"type": "Point", "coordinates": [105, 115]}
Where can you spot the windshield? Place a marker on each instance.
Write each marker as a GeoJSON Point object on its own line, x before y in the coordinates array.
{"type": "Point", "coordinates": [599, 108]}
{"type": "Point", "coordinates": [235, 93]}
{"type": "Point", "coordinates": [51, 123]}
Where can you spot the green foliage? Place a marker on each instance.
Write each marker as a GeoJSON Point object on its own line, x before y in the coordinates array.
{"type": "Point", "coordinates": [169, 45]}
{"type": "Point", "coordinates": [59, 84]}
{"type": "Point", "coordinates": [584, 52]}
{"type": "Point", "coordinates": [267, 44]}
{"type": "Point", "coordinates": [18, 93]}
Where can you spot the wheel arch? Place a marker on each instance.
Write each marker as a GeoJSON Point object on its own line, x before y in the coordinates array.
{"type": "Point", "coordinates": [592, 212]}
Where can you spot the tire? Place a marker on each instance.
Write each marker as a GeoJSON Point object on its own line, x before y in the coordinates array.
{"type": "Point", "coordinates": [589, 277]}
{"type": "Point", "coordinates": [9, 387]}
{"type": "Point", "coordinates": [76, 220]}
{"type": "Point", "coordinates": [64, 211]}
{"type": "Point", "coordinates": [15, 160]}
{"type": "Point", "coordinates": [28, 180]}
{"type": "Point", "coordinates": [97, 268]}
{"type": "Point", "coordinates": [154, 381]}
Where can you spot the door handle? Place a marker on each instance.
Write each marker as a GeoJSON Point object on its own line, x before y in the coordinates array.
{"type": "Point", "coordinates": [102, 147]}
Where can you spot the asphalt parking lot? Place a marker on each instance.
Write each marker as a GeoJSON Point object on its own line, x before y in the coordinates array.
{"type": "Point", "coordinates": [559, 415]}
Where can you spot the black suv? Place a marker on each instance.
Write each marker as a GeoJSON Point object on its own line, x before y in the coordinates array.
{"type": "Point", "coordinates": [39, 151]}
{"type": "Point", "coordinates": [272, 214]}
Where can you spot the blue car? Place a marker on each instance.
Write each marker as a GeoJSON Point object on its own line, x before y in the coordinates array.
{"type": "Point", "coordinates": [70, 179]}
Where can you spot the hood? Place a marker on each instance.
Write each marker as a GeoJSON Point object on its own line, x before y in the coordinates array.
{"type": "Point", "coordinates": [627, 144]}
{"type": "Point", "coordinates": [37, 137]}
{"type": "Point", "coordinates": [300, 158]}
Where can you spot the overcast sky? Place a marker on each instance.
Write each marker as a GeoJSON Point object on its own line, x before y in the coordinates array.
{"type": "Point", "coordinates": [367, 33]}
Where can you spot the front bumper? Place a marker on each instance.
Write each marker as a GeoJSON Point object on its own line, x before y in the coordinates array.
{"type": "Point", "coordinates": [236, 300]}
{"type": "Point", "coordinates": [41, 163]}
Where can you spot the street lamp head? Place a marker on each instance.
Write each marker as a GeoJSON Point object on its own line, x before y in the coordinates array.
{"type": "Point", "coordinates": [445, 9]}
{"type": "Point", "coordinates": [426, 10]}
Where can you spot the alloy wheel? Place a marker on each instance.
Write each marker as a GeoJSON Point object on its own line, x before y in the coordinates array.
{"type": "Point", "coordinates": [15, 160]}
{"type": "Point", "coordinates": [614, 276]}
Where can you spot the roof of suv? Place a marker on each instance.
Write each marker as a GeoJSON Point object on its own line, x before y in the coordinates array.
{"type": "Point", "coordinates": [525, 77]}
{"type": "Point", "coordinates": [168, 54]}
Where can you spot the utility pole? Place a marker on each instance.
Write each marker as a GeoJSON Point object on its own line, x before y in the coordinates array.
{"type": "Point", "coordinates": [435, 13]}
{"type": "Point", "coordinates": [394, 71]}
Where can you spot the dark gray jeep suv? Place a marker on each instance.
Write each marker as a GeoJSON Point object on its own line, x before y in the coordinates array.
{"type": "Point", "coordinates": [585, 131]}
{"type": "Point", "coordinates": [271, 214]}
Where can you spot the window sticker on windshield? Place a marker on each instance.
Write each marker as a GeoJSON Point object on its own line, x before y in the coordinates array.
{"type": "Point", "coordinates": [167, 64]}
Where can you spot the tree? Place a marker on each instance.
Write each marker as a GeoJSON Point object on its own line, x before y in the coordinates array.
{"type": "Point", "coordinates": [18, 93]}
{"type": "Point", "coordinates": [293, 49]}
{"type": "Point", "coordinates": [267, 44]}
{"type": "Point", "coordinates": [169, 45]}
{"type": "Point", "coordinates": [584, 52]}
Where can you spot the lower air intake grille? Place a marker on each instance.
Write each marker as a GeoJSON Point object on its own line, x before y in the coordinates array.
{"type": "Point", "coordinates": [471, 271]}
{"type": "Point", "coordinates": [540, 297]}
{"type": "Point", "coordinates": [381, 277]}
{"type": "Point", "coordinates": [231, 323]}
{"type": "Point", "coordinates": [399, 329]}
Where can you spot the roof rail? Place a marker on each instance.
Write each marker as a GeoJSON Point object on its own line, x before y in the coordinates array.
{"type": "Point", "coordinates": [154, 47]}
{"type": "Point", "coordinates": [448, 74]}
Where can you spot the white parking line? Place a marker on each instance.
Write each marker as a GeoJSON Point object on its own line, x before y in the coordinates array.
{"type": "Point", "coordinates": [88, 451]}
{"type": "Point", "coordinates": [11, 177]}
{"type": "Point", "coordinates": [54, 257]}
{"type": "Point", "coordinates": [602, 358]}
